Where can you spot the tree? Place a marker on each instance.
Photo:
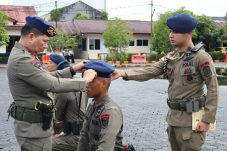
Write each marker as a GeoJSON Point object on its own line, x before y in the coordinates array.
{"type": "Point", "coordinates": [56, 14]}
{"type": "Point", "coordinates": [104, 15]}
{"type": "Point", "coordinates": [4, 37]}
{"type": "Point", "coordinates": [160, 39]}
{"type": "Point", "coordinates": [62, 40]}
{"type": "Point", "coordinates": [222, 36]}
{"type": "Point", "coordinates": [80, 16]}
{"type": "Point", "coordinates": [117, 34]}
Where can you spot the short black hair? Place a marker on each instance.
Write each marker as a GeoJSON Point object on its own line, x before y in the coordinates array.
{"type": "Point", "coordinates": [28, 29]}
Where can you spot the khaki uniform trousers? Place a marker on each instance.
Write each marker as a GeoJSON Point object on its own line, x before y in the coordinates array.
{"type": "Point", "coordinates": [35, 144]}
{"type": "Point", "coordinates": [184, 139]}
{"type": "Point", "coordinates": [65, 143]}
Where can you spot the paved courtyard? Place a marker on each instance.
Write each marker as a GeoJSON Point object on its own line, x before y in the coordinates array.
{"type": "Point", "coordinates": [144, 108]}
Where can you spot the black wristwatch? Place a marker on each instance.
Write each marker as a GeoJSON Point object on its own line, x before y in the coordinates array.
{"type": "Point", "coordinates": [72, 71]}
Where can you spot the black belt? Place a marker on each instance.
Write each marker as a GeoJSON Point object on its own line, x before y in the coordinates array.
{"type": "Point", "coordinates": [25, 114]}
{"type": "Point", "coordinates": [188, 105]}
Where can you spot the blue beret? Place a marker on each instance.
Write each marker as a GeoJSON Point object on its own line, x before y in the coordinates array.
{"type": "Point", "coordinates": [41, 25]}
{"type": "Point", "coordinates": [59, 61]}
{"type": "Point", "coordinates": [181, 23]}
{"type": "Point", "coordinates": [102, 68]}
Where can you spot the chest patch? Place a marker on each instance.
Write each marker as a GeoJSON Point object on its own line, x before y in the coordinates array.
{"type": "Point", "coordinates": [37, 64]}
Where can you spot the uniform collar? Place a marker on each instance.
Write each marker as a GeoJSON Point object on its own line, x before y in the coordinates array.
{"type": "Point", "coordinates": [103, 101]}
{"type": "Point", "coordinates": [20, 46]}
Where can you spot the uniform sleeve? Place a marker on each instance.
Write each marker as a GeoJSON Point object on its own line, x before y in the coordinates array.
{"type": "Point", "coordinates": [43, 80]}
{"type": "Point", "coordinates": [145, 73]}
{"type": "Point", "coordinates": [208, 73]}
{"type": "Point", "coordinates": [84, 140]}
{"type": "Point", "coordinates": [65, 73]}
{"type": "Point", "coordinates": [110, 129]}
{"type": "Point", "coordinates": [61, 102]}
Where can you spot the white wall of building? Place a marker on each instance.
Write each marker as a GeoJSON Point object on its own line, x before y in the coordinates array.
{"type": "Point", "coordinates": [93, 54]}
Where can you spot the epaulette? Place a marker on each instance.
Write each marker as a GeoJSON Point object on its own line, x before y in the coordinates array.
{"type": "Point", "coordinates": [197, 47]}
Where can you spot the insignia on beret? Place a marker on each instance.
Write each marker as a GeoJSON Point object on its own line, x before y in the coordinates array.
{"type": "Point", "coordinates": [51, 31]}
{"type": "Point", "coordinates": [41, 25]}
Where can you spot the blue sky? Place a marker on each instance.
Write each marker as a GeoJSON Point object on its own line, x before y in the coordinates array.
{"type": "Point", "coordinates": [134, 9]}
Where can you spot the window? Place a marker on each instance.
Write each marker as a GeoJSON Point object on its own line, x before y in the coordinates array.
{"type": "Point", "coordinates": [94, 44]}
{"type": "Point", "coordinates": [131, 43]}
{"type": "Point", "coordinates": [145, 42]}
{"type": "Point", "coordinates": [141, 42]}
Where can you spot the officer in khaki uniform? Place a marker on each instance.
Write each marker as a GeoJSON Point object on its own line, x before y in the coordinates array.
{"type": "Point", "coordinates": [103, 123]}
{"type": "Point", "coordinates": [69, 111]}
{"type": "Point", "coordinates": [188, 68]}
{"type": "Point", "coordinates": [31, 86]}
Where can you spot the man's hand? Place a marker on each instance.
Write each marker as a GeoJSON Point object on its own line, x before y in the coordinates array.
{"type": "Point", "coordinates": [118, 73]}
{"type": "Point", "coordinates": [202, 127]}
{"type": "Point", "coordinates": [78, 67]}
{"type": "Point", "coordinates": [89, 75]}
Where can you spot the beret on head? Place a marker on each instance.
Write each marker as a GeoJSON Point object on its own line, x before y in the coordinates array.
{"type": "Point", "coordinates": [59, 61]}
{"type": "Point", "coordinates": [102, 68]}
{"type": "Point", "coordinates": [41, 25]}
{"type": "Point", "coordinates": [181, 23]}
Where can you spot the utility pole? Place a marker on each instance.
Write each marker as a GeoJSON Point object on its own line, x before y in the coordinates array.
{"type": "Point", "coordinates": [152, 13]}
{"type": "Point", "coordinates": [56, 6]}
{"type": "Point", "coordinates": [105, 5]}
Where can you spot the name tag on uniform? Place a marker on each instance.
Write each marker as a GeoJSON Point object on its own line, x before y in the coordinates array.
{"type": "Point", "coordinates": [197, 116]}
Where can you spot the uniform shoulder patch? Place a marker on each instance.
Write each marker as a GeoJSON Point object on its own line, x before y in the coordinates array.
{"type": "Point", "coordinates": [104, 118]}
{"type": "Point", "coordinates": [37, 64]}
{"type": "Point", "coordinates": [205, 68]}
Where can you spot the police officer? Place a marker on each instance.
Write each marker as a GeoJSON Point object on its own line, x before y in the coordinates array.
{"type": "Point", "coordinates": [31, 86]}
{"type": "Point", "coordinates": [104, 121]}
{"type": "Point", "coordinates": [188, 68]}
{"type": "Point", "coordinates": [70, 111]}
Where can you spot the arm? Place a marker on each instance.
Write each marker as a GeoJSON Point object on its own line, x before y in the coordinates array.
{"type": "Point", "coordinates": [83, 144]}
{"type": "Point", "coordinates": [41, 79]}
{"type": "Point", "coordinates": [140, 74]}
{"type": "Point", "coordinates": [207, 70]}
{"type": "Point", "coordinates": [61, 102]}
{"type": "Point", "coordinates": [110, 131]}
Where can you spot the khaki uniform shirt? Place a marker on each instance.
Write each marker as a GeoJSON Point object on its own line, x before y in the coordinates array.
{"type": "Point", "coordinates": [67, 105]}
{"type": "Point", "coordinates": [102, 127]}
{"type": "Point", "coordinates": [29, 83]}
{"type": "Point", "coordinates": [187, 74]}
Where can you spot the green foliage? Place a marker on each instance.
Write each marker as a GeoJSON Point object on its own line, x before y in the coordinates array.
{"type": "Point", "coordinates": [80, 16]}
{"type": "Point", "coordinates": [4, 37]}
{"type": "Point", "coordinates": [206, 31]}
{"type": "Point", "coordinates": [117, 34]}
{"type": "Point", "coordinates": [217, 55]}
{"type": "Point", "coordinates": [118, 56]}
{"type": "Point", "coordinates": [62, 40]}
{"type": "Point", "coordinates": [221, 35]}
{"type": "Point", "coordinates": [160, 39]}
{"type": "Point", "coordinates": [104, 15]}
{"type": "Point", "coordinates": [56, 14]}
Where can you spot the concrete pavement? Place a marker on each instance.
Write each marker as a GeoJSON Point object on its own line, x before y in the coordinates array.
{"type": "Point", "coordinates": [144, 108]}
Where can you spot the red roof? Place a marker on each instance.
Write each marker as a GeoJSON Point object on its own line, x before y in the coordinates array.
{"type": "Point", "coordinates": [18, 13]}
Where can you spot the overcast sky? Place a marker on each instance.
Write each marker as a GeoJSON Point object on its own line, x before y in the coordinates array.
{"type": "Point", "coordinates": [133, 9]}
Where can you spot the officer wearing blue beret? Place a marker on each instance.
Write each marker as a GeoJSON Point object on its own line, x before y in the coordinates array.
{"type": "Point", "coordinates": [103, 124]}
{"type": "Point", "coordinates": [32, 87]}
{"type": "Point", "coordinates": [57, 62]}
{"type": "Point", "coordinates": [188, 68]}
